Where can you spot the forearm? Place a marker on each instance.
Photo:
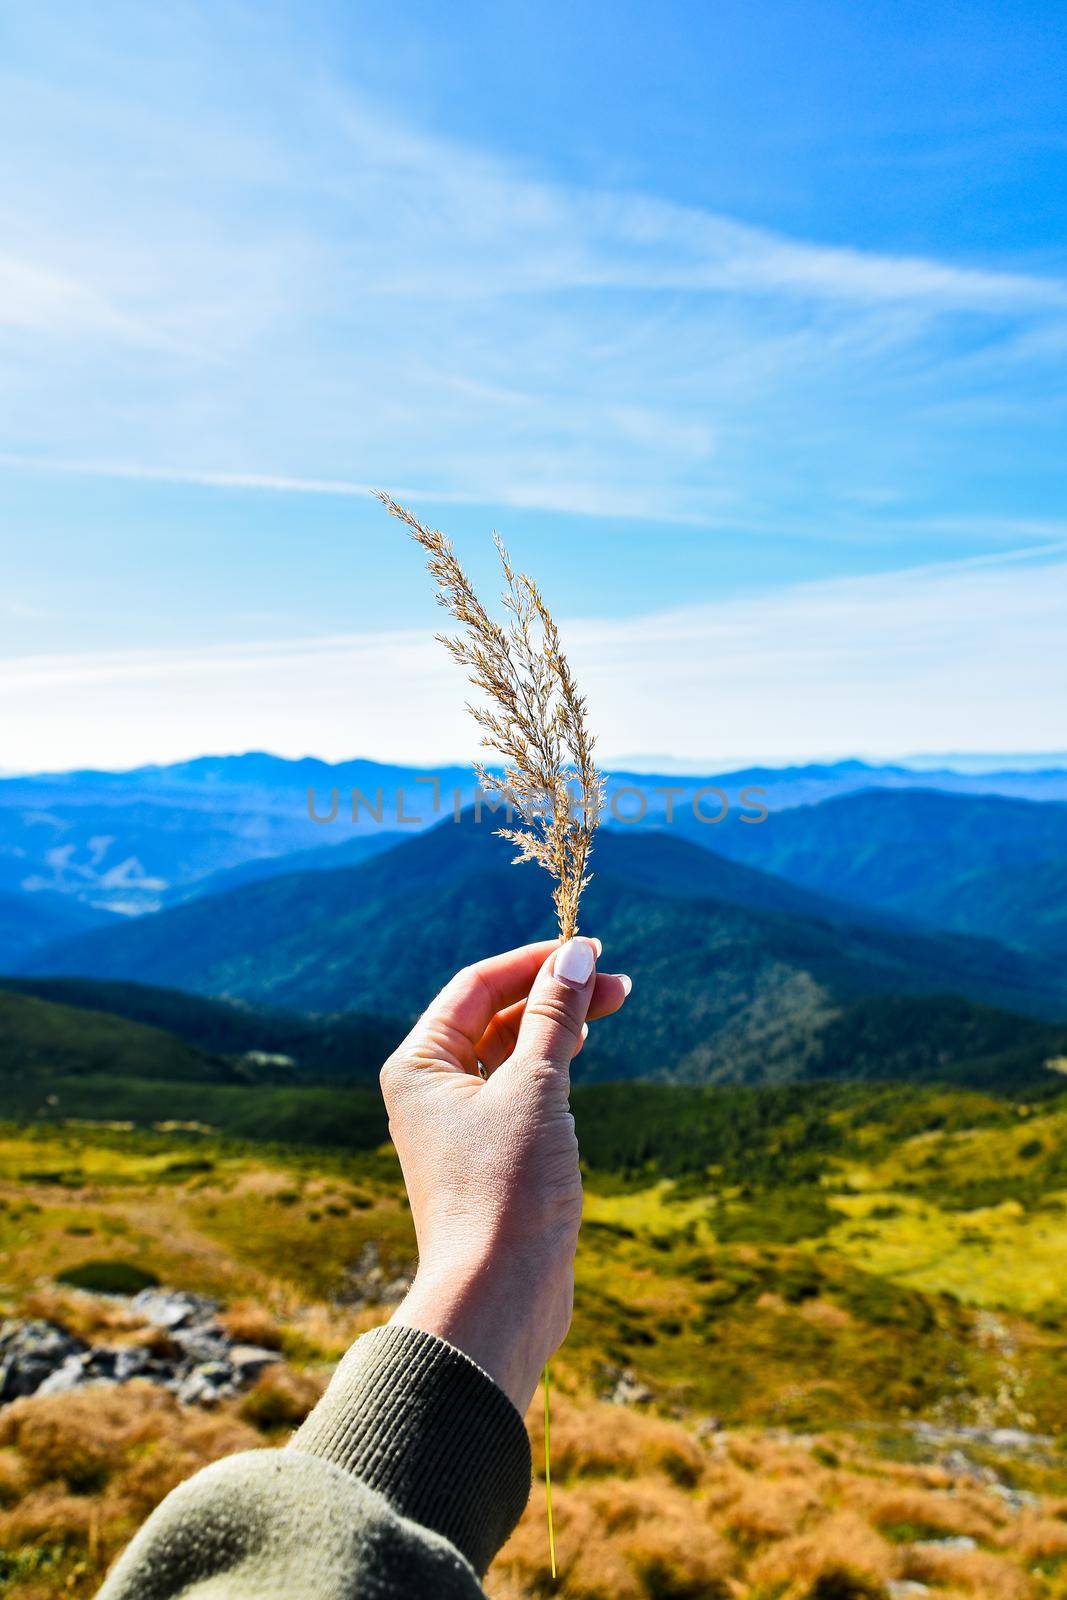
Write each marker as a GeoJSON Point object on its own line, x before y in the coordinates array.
{"type": "Point", "coordinates": [496, 1308]}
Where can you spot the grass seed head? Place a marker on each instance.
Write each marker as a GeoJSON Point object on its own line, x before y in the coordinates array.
{"type": "Point", "coordinates": [532, 716]}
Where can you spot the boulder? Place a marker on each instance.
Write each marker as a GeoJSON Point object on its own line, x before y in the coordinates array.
{"type": "Point", "coordinates": [197, 1361]}
{"type": "Point", "coordinates": [206, 1384]}
{"type": "Point", "coordinates": [30, 1352]}
{"type": "Point", "coordinates": [173, 1308]}
{"type": "Point", "coordinates": [249, 1360]}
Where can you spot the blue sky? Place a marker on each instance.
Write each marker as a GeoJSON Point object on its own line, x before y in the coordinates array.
{"type": "Point", "coordinates": [745, 323]}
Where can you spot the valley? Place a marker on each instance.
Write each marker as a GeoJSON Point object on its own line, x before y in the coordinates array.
{"type": "Point", "coordinates": [820, 1313]}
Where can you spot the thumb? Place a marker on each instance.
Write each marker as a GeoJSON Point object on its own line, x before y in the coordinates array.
{"type": "Point", "coordinates": [550, 1033]}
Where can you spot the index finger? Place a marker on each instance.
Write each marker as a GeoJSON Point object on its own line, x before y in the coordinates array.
{"type": "Point", "coordinates": [469, 1001]}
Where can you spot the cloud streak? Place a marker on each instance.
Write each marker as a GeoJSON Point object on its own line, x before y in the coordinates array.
{"type": "Point", "coordinates": [328, 297]}
{"type": "Point", "coordinates": [589, 500]}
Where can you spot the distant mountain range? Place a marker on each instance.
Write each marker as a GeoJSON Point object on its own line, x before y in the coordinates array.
{"type": "Point", "coordinates": [30, 921]}
{"type": "Point", "coordinates": [133, 842]}
{"type": "Point", "coordinates": [879, 923]}
{"type": "Point", "coordinates": [974, 864]}
{"type": "Point", "coordinates": [739, 975]}
{"type": "Point", "coordinates": [130, 841]}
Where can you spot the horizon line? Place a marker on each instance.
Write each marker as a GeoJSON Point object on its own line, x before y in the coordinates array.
{"type": "Point", "coordinates": [993, 763]}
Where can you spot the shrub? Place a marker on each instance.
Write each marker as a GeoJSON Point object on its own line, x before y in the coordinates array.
{"type": "Point", "coordinates": [281, 1398]}
{"type": "Point", "coordinates": [839, 1559]}
{"type": "Point", "coordinates": [108, 1277]}
{"type": "Point", "coordinates": [83, 1470]}
{"type": "Point", "coordinates": [612, 1441]}
{"type": "Point", "coordinates": [838, 1583]}
{"type": "Point", "coordinates": [248, 1323]}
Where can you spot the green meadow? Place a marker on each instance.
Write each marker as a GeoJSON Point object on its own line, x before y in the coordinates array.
{"type": "Point", "coordinates": [778, 1291]}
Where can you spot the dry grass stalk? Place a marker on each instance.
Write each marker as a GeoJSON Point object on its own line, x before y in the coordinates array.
{"type": "Point", "coordinates": [534, 717]}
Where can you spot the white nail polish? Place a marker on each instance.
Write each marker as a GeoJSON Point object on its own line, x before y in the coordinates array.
{"type": "Point", "coordinates": [627, 982]}
{"type": "Point", "coordinates": [574, 963]}
{"type": "Point", "coordinates": [598, 947]}
{"type": "Point", "coordinates": [585, 1030]}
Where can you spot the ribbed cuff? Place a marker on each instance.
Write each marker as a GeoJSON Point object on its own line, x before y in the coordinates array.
{"type": "Point", "coordinates": [419, 1421]}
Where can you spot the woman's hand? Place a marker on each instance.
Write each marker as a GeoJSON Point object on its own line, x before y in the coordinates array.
{"type": "Point", "coordinates": [491, 1164]}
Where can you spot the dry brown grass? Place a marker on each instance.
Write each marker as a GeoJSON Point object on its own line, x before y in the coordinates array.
{"type": "Point", "coordinates": [280, 1398]}
{"type": "Point", "coordinates": [247, 1322]}
{"type": "Point", "coordinates": [841, 1554]}
{"type": "Point", "coordinates": [755, 1512]}
{"type": "Point", "coordinates": [967, 1572]}
{"type": "Point", "coordinates": [1040, 1536]}
{"type": "Point", "coordinates": [644, 1510]}
{"type": "Point", "coordinates": [754, 1516]}
{"type": "Point", "coordinates": [594, 1440]}
{"type": "Point", "coordinates": [938, 1513]}
{"type": "Point", "coordinates": [81, 1471]}
{"type": "Point", "coordinates": [627, 1540]}
{"type": "Point", "coordinates": [91, 1317]}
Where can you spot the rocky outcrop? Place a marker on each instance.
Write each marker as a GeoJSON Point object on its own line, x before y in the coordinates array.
{"type": "Point", "coordinates": [622, 1387]}
{"type": "Point", "coordinates": [368, 1283]}
{"type": "Point", "coordinates": [193, 1357]}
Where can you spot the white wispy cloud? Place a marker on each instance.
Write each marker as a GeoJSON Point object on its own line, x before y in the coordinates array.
{"type": "Point", "coordinates": [589, 499]}
{"type": "Point", "coordinates": [961, 655]}
{"type": "Point", "coordinates": [303, 291]}
{"type": "Point", "coordinates": [37, 299]}
{"type": "Point", "coordinates": [505, 233]}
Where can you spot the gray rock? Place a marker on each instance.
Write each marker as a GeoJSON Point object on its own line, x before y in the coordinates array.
{"type": "Point", "coordinates": [1015, 1499]}
{"type": "Point", "coordinates": [393, 1292]}
{"type": "Point", "coordinates": [73, 1374]}
{"type": "Point", "coordinates": [368, 1284]}
{"type": "Point", "coordinates": [201, 1365]}
{"type": "Point", "coordinates": [1016, 1440]}
{"type": "Point", "coordinates": [204, 1342]}
{"type": "Point", "coordinates": [30, 1352]}
{"type": "Point", "coordinates": [206, 1384]}
{"type": "Point", "coordinates": [955, 1541]}
{"type": "Point", "coordinates": [624, 1388]}
{"type": "Point", "coordinates": [960, 1465]}
{"type": "Point", "coordinates": [906, 1589]}
{"type": "Point", "coordinates": [174, 1308]}
{"type": "Point", "coordinates": [249, 1360]}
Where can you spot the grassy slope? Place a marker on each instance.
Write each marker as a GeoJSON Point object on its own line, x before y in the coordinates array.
{"type": "Point", "coordinates": [741, 1293]}
{"type": "Point", "coordinates": [343, 1049]}
{"type": "Point", "coordinates": [66, 1064]}
{"type": "Point", "coordinates": [60, 1061]}
{"type": "Point", "coordinates": [41, 1041]}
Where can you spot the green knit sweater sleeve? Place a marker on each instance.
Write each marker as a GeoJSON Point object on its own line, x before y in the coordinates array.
{"type": "Point", "coordinates": [405, 1480]}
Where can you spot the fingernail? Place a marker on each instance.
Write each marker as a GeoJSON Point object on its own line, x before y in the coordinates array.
{"type": "Point", "coordinates": [574, 963]}
{"type": "Point", "coordinates": [599, 947]}
{"type": "Point", "coordinates": [585, 1030]}
{"type": "Point", "coordinates": [627, 983]}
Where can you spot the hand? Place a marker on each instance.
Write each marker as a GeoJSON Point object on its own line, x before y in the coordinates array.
{"type": "Point", "coordinates": [491, 1165]}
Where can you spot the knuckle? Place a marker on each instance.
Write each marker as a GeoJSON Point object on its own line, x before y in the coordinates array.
{"type": "Point", "coordinates": [557, 1011]}
{"type": "Point", "coordinates": [390, 1073]}
{"type": "Point", "coordinates": [541, 1074]}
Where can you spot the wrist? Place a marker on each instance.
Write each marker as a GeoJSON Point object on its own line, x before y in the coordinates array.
{"type": "Point", "coordinates": [508, 1316]}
